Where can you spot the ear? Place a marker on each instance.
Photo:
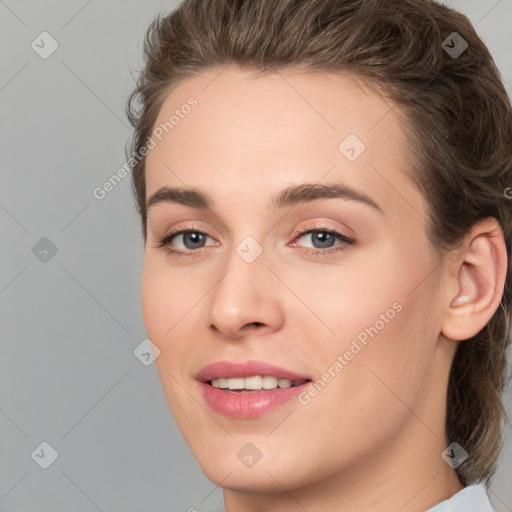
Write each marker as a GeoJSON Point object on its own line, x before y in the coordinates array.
{"type": "Point", "coordinates": [477, 272]}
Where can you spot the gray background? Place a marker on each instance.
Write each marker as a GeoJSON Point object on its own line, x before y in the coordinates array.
{"type": "Point", "coordinates": [70, 323]}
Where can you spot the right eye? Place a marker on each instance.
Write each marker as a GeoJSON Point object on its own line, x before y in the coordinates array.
{"type": "Point", "coordinates": [188, 241]}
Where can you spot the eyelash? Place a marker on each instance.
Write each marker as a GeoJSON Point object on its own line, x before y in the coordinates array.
{"type": "Point", "coordinates": [165, 242]}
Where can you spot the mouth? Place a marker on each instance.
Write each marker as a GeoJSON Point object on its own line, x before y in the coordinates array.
{"type": "Point", "coordinates": [249, 389]}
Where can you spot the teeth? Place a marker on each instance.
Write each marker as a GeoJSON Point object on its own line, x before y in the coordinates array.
{"type": "Point", "coordinates": [236, 383]}
{"type": "Point", "coordinates": [270, 382]}
{"type": "Point", "coordinates": [255, 382]}
{"type": "Point", "coordinates": [284, 383]}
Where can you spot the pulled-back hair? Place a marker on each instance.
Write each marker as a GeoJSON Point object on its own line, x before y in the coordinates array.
{"type": "Point", "coordinates": [457, 118]}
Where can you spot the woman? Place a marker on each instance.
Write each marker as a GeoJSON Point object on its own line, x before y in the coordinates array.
{"type": "Point", "coordinates": [323, 195]}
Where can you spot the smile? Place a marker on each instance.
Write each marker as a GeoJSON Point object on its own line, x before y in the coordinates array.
{"type": "Point", "coordinates": [248, 389]}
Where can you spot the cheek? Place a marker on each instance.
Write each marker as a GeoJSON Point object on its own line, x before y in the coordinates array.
{"type": "Point", "coordinates": [153, 302]}
{"type": "Point", "coordinates": [166, 297]}
{"type": "Point", "coordinates": [379, 323]}
{"type": "Point", "coordinates": [169, 309]}
{"type": "Point", "coordinates": [164, 306]}
{"type": "Point", "coordinates": [375, 383]}
{"type": "Point", "coordinates": [392, 367]}
{"type": "Point", "coordinates": [342, 305]}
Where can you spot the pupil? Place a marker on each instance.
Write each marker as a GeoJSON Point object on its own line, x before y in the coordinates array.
{"type": "Point", "coordinates": [324, 239]}
{"type": "Point", "coordinates": [193, 240]}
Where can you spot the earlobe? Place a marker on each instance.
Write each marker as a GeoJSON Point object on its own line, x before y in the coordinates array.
{"type": "Point", "coordinates": [480, 279]}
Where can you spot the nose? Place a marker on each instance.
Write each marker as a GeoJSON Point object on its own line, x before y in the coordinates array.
{"type": "Point", "coordinates": [246, 300]}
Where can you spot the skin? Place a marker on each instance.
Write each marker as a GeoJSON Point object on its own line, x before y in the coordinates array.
{"type": "Point", "coordinates": [372, 439]}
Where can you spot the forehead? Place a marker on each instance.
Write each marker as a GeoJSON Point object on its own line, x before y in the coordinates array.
{"type": "Point", "coordinates": [241, 106]}
{"type": "Point", "coordinates": [266, 131]}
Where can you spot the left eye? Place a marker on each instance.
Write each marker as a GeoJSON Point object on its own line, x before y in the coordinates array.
{"type": "Point", "coordinates": [323, 239]}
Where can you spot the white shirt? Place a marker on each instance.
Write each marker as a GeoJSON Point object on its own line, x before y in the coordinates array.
{"type": "Point", "coordinates": [472, 498]}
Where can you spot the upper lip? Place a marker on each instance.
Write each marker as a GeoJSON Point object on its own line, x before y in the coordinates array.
{"type": "Point", "coordinates": [229, 369]}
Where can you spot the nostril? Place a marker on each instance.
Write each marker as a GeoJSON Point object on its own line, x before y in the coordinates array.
{"type": "Point", "coordinates": [256, 324]}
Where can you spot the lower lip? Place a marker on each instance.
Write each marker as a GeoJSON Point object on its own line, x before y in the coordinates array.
{"type": "Point", "coordinates": [249, 404]}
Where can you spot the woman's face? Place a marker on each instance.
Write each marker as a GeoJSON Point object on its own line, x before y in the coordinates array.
{"type": "Point", "coordinates": [303, 249]}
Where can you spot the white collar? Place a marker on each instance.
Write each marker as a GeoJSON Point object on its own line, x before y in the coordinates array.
{"type": "Point", "coordinates": [472, 498]}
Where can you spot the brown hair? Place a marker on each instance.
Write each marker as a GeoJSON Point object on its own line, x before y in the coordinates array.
{"type": "Point", "coordinates": [458, 121]}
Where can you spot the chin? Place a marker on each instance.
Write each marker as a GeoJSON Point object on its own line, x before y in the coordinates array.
{"type": "Point", "coordinates": [251, 480]}
{"type": "Point", "coordinates": [266, 476]}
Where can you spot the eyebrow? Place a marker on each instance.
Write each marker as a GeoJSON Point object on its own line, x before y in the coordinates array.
{"type": "Point", "coordinates": [290, 196]}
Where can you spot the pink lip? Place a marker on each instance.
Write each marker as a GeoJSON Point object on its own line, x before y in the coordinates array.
{"type": "Point", "coordinates": [247, 404]}
{"type": "Point", "coordinates": [227, 369]}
